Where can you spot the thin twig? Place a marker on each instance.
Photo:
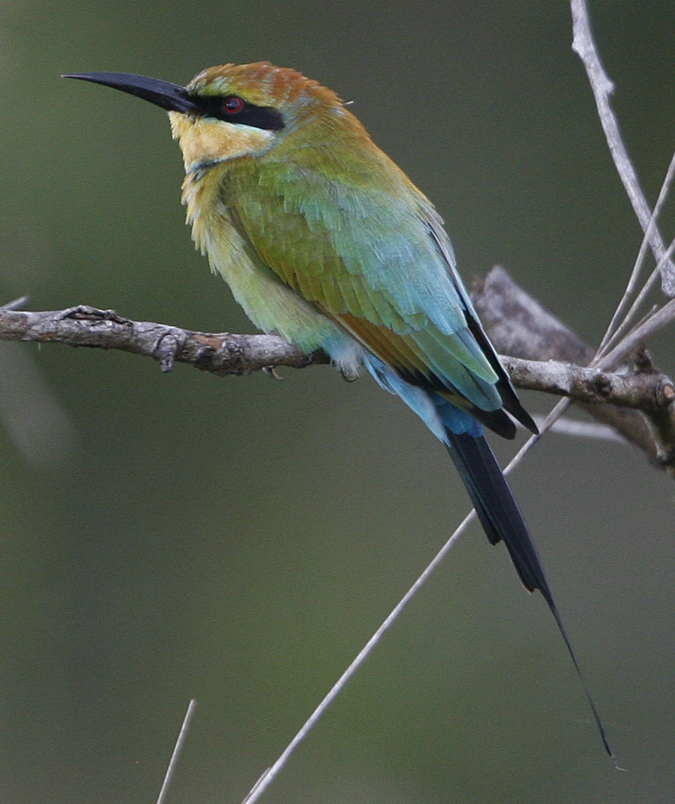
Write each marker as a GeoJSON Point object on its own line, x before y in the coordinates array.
{"type": "Point", "coordinates": [268, 777]}
{"type": "Point", "coordinates": [182, 734]}
{"type": "Point", "coordinates": [641, 333]}
{"type": "Point", "coordinates": [16, 304]}
{"type": "Point", "coordinates": [603, 88]}
{"type": "Point", "coordinates": [578, 429]}
{"type": "Point", "coordinates": [611, 341]}
{"type": "Point", "coordinates": [614, 331]}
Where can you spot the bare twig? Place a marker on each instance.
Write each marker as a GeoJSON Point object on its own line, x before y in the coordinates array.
{"type": "Point", "coordinates": [268, 777]}
{"type": "Point", "coordinates": [178, 747]}
{"type": "Point", "coordinates": [603, 88]}
{"type": "Point", "coordinates": [614, 330]}
{"type": "Point", "coordinates": [653, 323]}
{"type": "Point", "coordinates": [578, 429]}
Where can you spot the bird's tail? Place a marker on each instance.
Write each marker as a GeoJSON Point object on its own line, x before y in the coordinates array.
{"type": "Point", "coordinates": [501, 519]}
{"type": "Point", "coordinates": [496, 506]}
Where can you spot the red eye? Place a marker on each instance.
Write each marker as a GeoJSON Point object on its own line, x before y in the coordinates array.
{"type": "Point", "coordinates": [233, 104]}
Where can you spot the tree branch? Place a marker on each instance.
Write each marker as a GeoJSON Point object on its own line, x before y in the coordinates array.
{"type": "Point", "coordinates": [637, 404]}
{"type": "Point", "coordinates": [647, 391]}
{"type": "Point", "coordinates": [543, 355]}
{"type": "Point", "coordinates": [584, 46]}
{"type": "Point", "coordinates": [219, 354]}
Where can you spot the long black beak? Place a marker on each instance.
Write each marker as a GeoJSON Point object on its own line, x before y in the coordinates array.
{"type": "Point", "coordinates": [171, 97]}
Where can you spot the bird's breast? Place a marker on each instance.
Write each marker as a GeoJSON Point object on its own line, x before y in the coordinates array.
{"type": "Point", "coordinates": [270, 303]}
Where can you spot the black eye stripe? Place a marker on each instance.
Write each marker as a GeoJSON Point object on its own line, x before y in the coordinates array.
{"type": "Point", "coordinates": [264, 117]}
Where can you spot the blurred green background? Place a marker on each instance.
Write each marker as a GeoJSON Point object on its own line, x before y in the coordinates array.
{"type": "Point", "coordinates": [237, 540]}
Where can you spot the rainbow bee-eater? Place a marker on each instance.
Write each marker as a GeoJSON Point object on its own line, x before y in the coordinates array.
{"type": "Point", "coordinates": [325, 241]}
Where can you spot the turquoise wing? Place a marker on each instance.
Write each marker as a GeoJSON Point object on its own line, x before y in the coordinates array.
{"type": "Point", "coordinates": [373, 256]}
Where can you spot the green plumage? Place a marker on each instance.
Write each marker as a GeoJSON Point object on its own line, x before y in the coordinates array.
{"type": "Point", "coordinates": [344, 246]}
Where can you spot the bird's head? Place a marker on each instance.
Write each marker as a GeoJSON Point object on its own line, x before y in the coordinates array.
{"type": "Point", "coordinates": [234, 111]}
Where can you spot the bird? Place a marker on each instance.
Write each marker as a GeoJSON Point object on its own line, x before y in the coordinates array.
{"type": "Point", "coordinates": [326, 242]}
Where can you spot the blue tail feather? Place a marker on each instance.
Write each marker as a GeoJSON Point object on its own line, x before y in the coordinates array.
{"type": "Point", "coordinates": [491, 495]}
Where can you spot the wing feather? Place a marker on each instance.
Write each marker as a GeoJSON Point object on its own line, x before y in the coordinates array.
{"type": "Point", "coordinates": [376, 260]}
